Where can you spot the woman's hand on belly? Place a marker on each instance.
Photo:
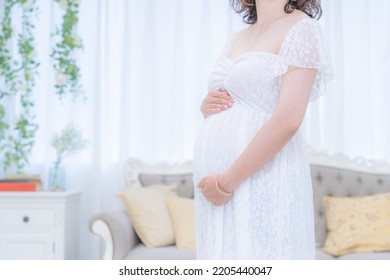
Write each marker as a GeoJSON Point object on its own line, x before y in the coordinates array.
{"type": "Point", "coordinates": [211, 192]}
{"type": "Point", "coordinates": [215, 102]}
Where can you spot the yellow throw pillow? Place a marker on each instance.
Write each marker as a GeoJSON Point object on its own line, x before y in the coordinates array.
{"type": "Point", "coordinates": [357, 224]}
{"type": "Point", "coordinates": [149, 214]}
{"type": "Point", "coordinates": [182, 211]}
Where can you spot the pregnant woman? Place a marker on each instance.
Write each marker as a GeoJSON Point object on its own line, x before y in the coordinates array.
{"type": "Point", "coordinates": [253, 192]}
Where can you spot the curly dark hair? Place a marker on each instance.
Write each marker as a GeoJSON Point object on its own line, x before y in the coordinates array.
{"type": "Point", "coordinates": [311, 7]}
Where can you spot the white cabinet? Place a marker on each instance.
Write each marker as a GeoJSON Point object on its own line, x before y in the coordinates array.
{"type": "Point", "coordinates": [39, 225]}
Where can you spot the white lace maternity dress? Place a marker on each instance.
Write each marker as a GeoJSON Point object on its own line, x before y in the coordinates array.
{"type": "Point", "coordinates": [270, 215]}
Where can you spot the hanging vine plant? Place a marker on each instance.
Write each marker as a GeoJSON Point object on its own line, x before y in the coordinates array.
{"type": "Point", "coordinates": [6, 67]}
{"type": "Point", "coordinates": [67, 76]}
{"type": "Point", "coordinates": [7, 73]}
{"type": "Point", "coordinates": [17, 83]}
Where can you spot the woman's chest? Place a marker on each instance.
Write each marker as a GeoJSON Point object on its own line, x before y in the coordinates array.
{"type": "Point", "coordinates": [249, 71]}
{"type": "Point", "coordinates": [252, 78]}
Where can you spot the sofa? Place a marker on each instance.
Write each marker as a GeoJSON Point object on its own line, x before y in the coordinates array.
{"type": "Point", "coordinates": [332, 175]}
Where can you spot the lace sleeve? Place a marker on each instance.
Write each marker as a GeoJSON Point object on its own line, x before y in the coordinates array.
{"type": "Point", "coordinates": [304, 47]}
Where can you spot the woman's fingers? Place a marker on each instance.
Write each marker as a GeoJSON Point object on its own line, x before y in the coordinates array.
{"type": "Point", "coordinates": [216, 101]}
{"type": "Point", "coordinates": [220, 101]}
{"type": "Point", "coordinates": [220, 97]}
{"type": "Point", "coordinates": [218, 201]}
{"type": "Point", "coordinates": [220, 94]}
{"type": "Point", "coordinates": [200, 184]}
{"type": "Point", "coordinates": [211, 193]}
{"type": "Point", "coordinates": [215, 106]}
{"type": "Point", "coordinates": [212, 108]}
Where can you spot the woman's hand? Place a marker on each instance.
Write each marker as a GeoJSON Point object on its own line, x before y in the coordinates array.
{"type": "Point", "coordinates": [215, 101]}
{"type": "Point", "coordinates": [210, 192]}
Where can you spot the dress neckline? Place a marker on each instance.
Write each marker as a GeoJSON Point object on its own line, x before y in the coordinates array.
{"type": "Point", "coordinates": [250, 53]}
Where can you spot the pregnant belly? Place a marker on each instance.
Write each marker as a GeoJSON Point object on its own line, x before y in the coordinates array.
{"type": "Point", "coordinates": [222, 137]}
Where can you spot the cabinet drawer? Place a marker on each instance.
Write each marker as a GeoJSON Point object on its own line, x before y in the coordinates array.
{"type": "Point", "coordinates": [27, 218]}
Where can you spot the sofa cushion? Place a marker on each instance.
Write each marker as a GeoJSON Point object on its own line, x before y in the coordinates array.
{"type": "Point", "coordinates": [357, 224]}
{"type": "Point", "coordinates": [366, 256]}
{"type": "Point", "coordinates": [182, 211]}
{"type": "Point", "coordinates": [321, 255]}
{"type": "Point", "coordinates": [331, 180]}
{"type": "Point", "coordinates": [149, 214]}
{"type": "Point", "coordinates": [141, 252]}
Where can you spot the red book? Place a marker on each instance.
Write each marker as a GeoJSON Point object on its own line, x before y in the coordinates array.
{"type": "Point", "coordinates": [18, 186]}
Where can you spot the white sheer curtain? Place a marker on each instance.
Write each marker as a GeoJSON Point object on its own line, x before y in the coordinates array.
{"type": "Point", "coordinates": [354, 116]}
{"type": "Point", "coordinates": [144, 71]}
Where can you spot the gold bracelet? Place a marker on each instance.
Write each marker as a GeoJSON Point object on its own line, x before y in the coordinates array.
{"type": "Point", "coordinates": [221, 191]}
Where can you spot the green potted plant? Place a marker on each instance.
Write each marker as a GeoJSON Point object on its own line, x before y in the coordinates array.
{"type": "Point", "coordinates": [67, 142]}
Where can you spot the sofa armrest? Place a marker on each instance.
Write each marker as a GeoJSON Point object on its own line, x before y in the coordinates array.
{"type": "Point", "coordinates": [117, 232]}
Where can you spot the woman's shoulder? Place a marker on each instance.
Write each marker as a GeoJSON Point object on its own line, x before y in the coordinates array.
{"type": "Point", "coordinates": [289, 20]}
{"type": "Point", "coordinates": [301, 25]}
{"type": "Point", "coordinates": [239, 34]}
{"type": "Point", "coordinates": [297, 15]}
{"type": "Point", "coordinates": [299, 18]}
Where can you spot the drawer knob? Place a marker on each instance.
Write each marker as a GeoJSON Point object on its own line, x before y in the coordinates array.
{"type": "Point", "coordinates": [26, 219]}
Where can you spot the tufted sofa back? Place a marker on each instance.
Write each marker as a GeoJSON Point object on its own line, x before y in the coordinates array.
{"type": "Point", "coordinates": [327, 179]}
{"type": "Point", "coordinates": [333, 181]}
{"type": "Point", "coordinates": [184, 182]}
